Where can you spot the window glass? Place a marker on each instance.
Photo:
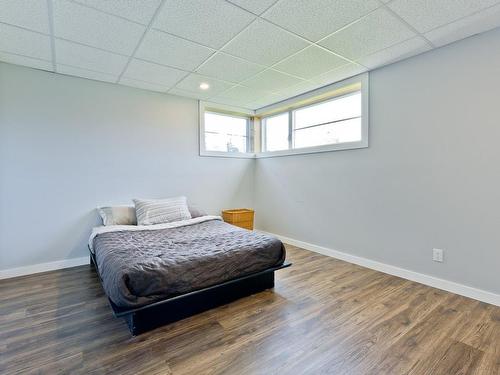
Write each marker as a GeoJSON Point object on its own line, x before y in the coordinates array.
{"type": "Point", "coordinates": [225, 133]}
{"type": "Point", "coordinates": [276, 133]}
{"type": "Point", "coordinates": [332, 110]}
{"type": "Point", "coordinates": [337, 132]}
{"type": "Point", "coordinates": [330, 122]}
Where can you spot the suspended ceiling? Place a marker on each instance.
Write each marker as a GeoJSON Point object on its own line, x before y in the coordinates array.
{"type": "Point", "coordinates": [250, 53]}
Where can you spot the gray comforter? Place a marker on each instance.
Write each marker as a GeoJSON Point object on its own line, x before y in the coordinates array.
{"type": "Point", "coordinates": [141, 267]}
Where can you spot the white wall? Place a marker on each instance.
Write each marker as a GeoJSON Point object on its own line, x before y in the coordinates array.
{"type": "Point", "coordinates": [430, 178]}
{"type": "Point", "coordinates": [68, 145]}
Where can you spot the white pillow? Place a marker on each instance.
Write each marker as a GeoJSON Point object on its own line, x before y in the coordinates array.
{"type": "Point", "coordinates": [118, 215]}
{"type": "Point", "coordinates": [157, 211]}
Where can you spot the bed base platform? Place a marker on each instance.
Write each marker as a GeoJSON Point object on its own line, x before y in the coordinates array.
{"type": "Point", "coordinates": [146, 318]}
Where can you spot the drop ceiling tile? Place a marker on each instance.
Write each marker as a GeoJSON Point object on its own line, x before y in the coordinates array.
{"type": "Point", "coordinates": [298, 89]}
{"type": "Point", "coordinates": [254, 6]}
{"type": "Point", "coordinates": [89, 58]}
{"type": "Point", "coordinates": [271, 80]}
{"type": "Point", "coordinates": [264, 43]}
{"type": "Point", "coordinates": [408, 48]}
{"type": "Point", "coordinates": [477, 23]}
{"type": "Point", "coordinates": [244, 94]}
{"type": "Point", "coordinates": [281, 97]}
{"type": "Point", "coordinates": [88, 26]}
{"type": "Point", "coordinates": [315, 19]}
{"type": "Point", "coordinates": [30, 14]}
{"type": "Point", "coordinates": [209, 22]}
{"type": "Point", "coordinates": [153, 73]}
{"type": "Point", "coordinates": [339, 74]}
{"type": "Point", "coordinates": [229, 68]}
{"type": "Point", "coordinates": [143, 85]}
{"type": "Point", "coordinates": [265, 101]}
{"type": "Point", "coordinates": [310, 62]}
{"type": "Point", "coordinates": [192, 83]}
{"type": "Point", "coordinates": [25, 61]}
{"type": "Point", "coordinates": [189, 94]}
{"type": "Point", "coordinates": [426, 15]}
{"type": "Point", "coordinates": [241, 96]}
{"type": "Point", "coordinates": [258, 105]}
{"type": "Point", "coordinates": [138, 11]}
{"type": "Point", "coordinates": [24, 42]}
{"type": "Point", "coordinates": [170, 50]}
{"type": "Point", "coordinates": [360, 38]}
{"type": "Point", "coordinates": [230, 101]}
{"type": "Point", "coordinates": [84, 73]}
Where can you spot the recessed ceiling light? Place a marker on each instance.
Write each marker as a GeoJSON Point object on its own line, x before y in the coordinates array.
{"type": "Point", "coordinates": [204, 86]}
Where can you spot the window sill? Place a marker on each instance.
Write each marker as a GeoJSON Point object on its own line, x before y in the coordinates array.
{"type": "Point", "coordinates": [314, 150]}
{"type": "Point", "coordinates": [297, 151]}
{"type": "Point", "coordinates": [221, 154]}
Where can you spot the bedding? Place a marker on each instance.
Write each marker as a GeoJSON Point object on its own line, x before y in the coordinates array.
{"type": "Point", "coordinates": [125, 215]}
{"type": "Point", "coordinates": [157, 211]}
{"type": "Point", "coordinates": [140, 265]}
{"type": "Point", "coordinates": [118, 215]}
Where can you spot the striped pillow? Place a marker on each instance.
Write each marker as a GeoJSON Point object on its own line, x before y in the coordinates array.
{"type": "Point", "coordinates": [157, 211]}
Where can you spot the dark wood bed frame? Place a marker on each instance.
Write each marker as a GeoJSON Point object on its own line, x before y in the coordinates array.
{"type": "Point", "coordinates": [145, 318]}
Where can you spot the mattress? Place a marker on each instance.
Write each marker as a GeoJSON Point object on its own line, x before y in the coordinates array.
{"type": "Point", "coordinates": [139, 266]}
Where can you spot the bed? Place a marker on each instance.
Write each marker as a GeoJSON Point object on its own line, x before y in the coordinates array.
{"type": "Point", "coordinates": [157, 274]}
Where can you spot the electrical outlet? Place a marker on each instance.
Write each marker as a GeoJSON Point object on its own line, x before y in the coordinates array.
{"type": "Point", "coordinates": [437, 255]}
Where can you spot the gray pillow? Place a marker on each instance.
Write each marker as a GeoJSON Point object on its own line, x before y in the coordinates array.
{"type": "Point", "coordinates": [196, 212]}
{"type": "Point", "coordinates": [118, 215]}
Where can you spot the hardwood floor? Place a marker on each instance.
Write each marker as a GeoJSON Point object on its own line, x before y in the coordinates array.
{"type": "Point", "coordinates": [324, 316]}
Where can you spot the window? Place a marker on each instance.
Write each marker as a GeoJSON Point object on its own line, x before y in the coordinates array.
{"type": "Point", "coordinates": [328, 119]}
{"type": "Point", "coordinates": [276, 133]}
{"type": "Point", "coordinates": [331, 122]}
{"type": "Point", "coordinates": [334, 117]}
{"type": "Point", "coordinates": [225, 133]}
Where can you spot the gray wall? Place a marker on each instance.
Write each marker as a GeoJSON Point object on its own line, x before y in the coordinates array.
{"type": "Point", "coordinates": [430, 178]}
{"type": "Point", "coordinates": [68, 145]}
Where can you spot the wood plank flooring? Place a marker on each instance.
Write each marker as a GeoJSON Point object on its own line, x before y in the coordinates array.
{"type": "Point", "coordinates": [324, 316]}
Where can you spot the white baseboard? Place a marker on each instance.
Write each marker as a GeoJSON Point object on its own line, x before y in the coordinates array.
{"type": "Point", "coordinates": [450, 286]}
{"type": "Point", "coordinates": [43, 267]}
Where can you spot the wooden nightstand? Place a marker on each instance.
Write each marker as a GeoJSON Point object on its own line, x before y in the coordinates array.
{"type": "Point", "coordinates": [241, 217]}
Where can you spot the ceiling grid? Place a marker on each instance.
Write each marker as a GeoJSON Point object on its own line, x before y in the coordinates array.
{"type": "Point", "coordinates": [250, 53]}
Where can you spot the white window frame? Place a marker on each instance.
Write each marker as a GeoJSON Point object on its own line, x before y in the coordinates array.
{"type": "Point", "coordinates": [263, 126]}
{"type": "Point", "coordinates": [363, 143]}
{"type": "Point", "coordinates": [226, 111]}
{"type": "Point", "coordinates": [255, 133]}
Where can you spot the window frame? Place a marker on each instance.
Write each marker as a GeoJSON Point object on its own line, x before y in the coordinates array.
{"type": "Point", "coordinates": [263, 125]}
{"type": "Point", "coordinates": [363, 143]}
{"type": "Point", "coordinates": [358, 83]}
{"type": "Point", "coordinates": [230, 112]}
